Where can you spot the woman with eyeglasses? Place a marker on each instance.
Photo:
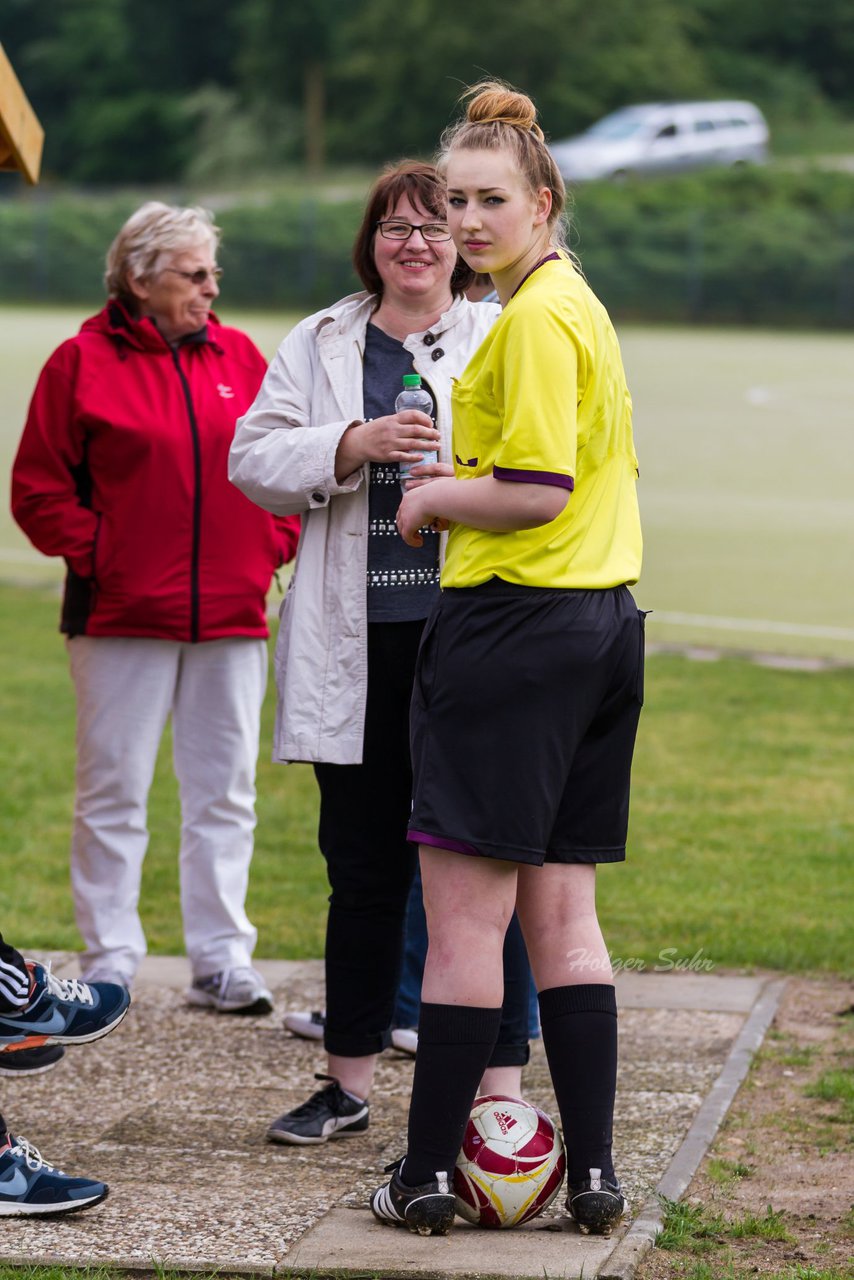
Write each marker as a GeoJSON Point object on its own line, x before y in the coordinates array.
{"type": "Point", "coordinates": [122, 471]}
{"type": "Point", "coordinates": [323, 439]}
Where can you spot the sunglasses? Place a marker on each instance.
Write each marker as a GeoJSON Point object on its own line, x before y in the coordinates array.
{"type": "Point", "coordinates": [197, 277]}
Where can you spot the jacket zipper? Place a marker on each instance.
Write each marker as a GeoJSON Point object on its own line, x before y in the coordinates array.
{"type": "Point", "coordinates": [197, 501]}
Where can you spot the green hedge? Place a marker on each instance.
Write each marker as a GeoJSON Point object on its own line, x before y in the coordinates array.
{"type": "Point", "coordinates": [293, 255]}
{"type": "Point", "coordinates": [752, 246]}
{"type": "Point", "coordinates": [747, 246]}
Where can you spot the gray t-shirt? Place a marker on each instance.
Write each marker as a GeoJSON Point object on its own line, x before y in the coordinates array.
{"type": "Point", "coordinates": [403, 581]}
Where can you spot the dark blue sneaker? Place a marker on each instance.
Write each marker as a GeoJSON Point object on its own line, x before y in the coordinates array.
{"type": "Point", "coordinates": [29, 1185]}
{"type": "Point", "coordinates": [31, 1062]}
{"type": "Point", "coordinates": [63, 1012]}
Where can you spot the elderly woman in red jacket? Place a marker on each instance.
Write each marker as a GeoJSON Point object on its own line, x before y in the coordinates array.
{"type": "Point", "coordinates": [122, 471]}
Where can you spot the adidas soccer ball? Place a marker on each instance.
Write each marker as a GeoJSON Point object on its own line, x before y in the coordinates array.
{"type": "Point", "coordinates": [511, 1164]}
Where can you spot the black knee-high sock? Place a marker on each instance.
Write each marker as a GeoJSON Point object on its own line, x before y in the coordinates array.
{"type": "Point", "coordinates": [454, 1046]}
{"type": "Point", "coordinates": [580, 1038]}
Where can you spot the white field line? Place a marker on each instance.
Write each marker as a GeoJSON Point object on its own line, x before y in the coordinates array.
{"type": "Point", "coordinates": [753, 624]}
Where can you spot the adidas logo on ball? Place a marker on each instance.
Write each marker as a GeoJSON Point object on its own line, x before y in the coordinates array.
{"type": "Point", "coordinates": [505, 1121]}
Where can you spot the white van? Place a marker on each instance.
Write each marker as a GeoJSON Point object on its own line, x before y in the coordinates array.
{"type": "Point", "coordinates": [665, 137]}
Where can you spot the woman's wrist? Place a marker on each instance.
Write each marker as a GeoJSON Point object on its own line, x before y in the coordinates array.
{"type": "Point", "coordinates": [350, 455]}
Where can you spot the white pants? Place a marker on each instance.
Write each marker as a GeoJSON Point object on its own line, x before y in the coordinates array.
{"type": "Point", "coordinates": [126, 689]}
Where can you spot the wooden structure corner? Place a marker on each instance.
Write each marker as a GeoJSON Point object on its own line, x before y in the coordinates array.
{"type": "Point", "coordinates": [21, 135]}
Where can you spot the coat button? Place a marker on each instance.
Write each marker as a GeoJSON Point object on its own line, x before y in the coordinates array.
{"type": "Point", "coordinates": [429, 339]}
{"type": "Point", "coordinates": [437, 354]}
{"type": "Point", "coordinates": [318, 497]}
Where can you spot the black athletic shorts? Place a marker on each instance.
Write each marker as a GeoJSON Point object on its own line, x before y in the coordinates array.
{"type": "Point", "coordinates": [524, 715]}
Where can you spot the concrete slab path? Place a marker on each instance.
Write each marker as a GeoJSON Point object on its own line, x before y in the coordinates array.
{"type": "Point", "coordinates": [171, 1110]}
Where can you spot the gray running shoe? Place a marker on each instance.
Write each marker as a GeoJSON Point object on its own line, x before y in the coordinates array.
{"type": "Point", "coordinates": [237, 990]}
{"type": "Point", "coordinates": [104, 974]}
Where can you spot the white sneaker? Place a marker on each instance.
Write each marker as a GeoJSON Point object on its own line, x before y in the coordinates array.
{"type": "Point", "coordinates": [237, 990]}
{"type": "Point", "coordinates": [405, 1040]}
{"type": "Point", "coordinates": [308, 1024]}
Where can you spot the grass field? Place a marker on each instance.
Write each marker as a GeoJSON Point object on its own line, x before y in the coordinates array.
{"type": "Point", "coordinates": [747, 475]}
{"type": "Point", "coordinates": [741, 833]}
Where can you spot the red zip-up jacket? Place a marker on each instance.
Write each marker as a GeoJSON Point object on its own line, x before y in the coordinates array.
{"type": "Point", "coordinates": [122, 469]}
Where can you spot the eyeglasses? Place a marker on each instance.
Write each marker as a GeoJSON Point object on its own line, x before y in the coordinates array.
{"type": "Point", "coordinates": [197, 277]}
{"type": "Point", "coordinates": [395, 229]}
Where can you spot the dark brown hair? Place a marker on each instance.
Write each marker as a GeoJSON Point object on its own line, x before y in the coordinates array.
{"type": "Point", "coordinates": [424, 189]}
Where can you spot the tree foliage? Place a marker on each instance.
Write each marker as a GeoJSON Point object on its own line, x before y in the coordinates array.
{"type": "Point", "coordinates": [135, 92]}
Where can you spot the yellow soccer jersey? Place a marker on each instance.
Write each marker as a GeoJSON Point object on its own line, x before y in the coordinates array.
{"type": "Point", "coordinates": [544, 400]}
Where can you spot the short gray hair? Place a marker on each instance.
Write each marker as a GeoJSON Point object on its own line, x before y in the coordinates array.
{"type": "Point", "coordinates": [154, 232]}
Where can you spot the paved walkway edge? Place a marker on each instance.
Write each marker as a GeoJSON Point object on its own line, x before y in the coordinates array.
{"type": "Point", "coordinates": [642, 1234]}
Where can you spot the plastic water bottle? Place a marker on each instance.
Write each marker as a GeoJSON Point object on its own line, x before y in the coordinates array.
{"type": "Point", "coordinates": [414, 396]}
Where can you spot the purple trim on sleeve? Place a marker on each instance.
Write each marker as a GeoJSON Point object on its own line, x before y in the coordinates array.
{"type": "Point", "coordinates": [443, 842]}
{"type": "Point", "coordinates": [534, 477]}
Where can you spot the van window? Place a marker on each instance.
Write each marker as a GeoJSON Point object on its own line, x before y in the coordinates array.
{"type": "Point", "coordinates": [704, 126]}
{"type": "Point", "coordinates": [669, 131]}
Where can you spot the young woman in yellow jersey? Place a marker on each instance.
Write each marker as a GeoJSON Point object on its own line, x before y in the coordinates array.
{"type": "Point", "coordinates": [529, 681]}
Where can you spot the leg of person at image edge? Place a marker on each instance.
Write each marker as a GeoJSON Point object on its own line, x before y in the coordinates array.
{"type": "Point", "coordinates": [28, 1184]}
{"type": "Point", "coordinates": [14, 995]}
{"type": "Point", "coordinates": [579, 1028]}
{"type": "Point", "coordinates": [363, 817]}
{"type": "Point", "coordinates": [39, 1012]}
{"type": "Point", "coordinates": [126, 690]}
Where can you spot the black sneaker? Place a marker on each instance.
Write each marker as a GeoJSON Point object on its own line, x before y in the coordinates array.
{"type": "Point", "coordinates": [329, 1113]}
{"type": "Point", "coordinates": [427, 1210]}
{"type": "Point", "coordinates": [31, 1062]}
{"type": "Point", "coordinates": [596, 1204]}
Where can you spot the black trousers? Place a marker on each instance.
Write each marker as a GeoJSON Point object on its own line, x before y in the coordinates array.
{"type": "Point", "coordinates": [364, 813]}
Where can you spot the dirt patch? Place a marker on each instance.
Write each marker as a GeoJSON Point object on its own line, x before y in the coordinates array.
{"type": "Point", "coordinates": [781, 1168]}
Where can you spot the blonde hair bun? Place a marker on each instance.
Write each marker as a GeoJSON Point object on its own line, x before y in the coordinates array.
{"type": "Point", "coordinates": [491, 102]}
